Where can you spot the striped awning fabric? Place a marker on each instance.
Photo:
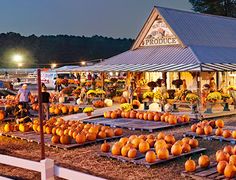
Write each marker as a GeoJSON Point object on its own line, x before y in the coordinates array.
{"type": "Point", "coordinates": [156, 67]}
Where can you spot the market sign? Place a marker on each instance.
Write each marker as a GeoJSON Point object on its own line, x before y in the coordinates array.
{"type": "Point", "coordinates": [159, 35]}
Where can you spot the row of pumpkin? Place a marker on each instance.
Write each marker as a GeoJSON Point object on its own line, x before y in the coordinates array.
{"type": "Point", "coordinates": [164, 145]}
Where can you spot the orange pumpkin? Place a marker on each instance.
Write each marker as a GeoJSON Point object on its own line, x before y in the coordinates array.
{"type": "Point", "coordinates": [194, 127]}
{"type": "Point", "coordinates": [229, 171]}
{"type": "Point", "coordinates": [132, 153]}
{"type": "Point", "coordinates": [204, 161]}
{"type": "Point", "coordinates": [2, 115]}
{"type": "Point", "coordinates": [80, 138]}
{"type": "Point", "coordinates": [118, 132]}
{"type": "Point", "coordinates": [163, 153]}
{"type": "Point", "coordinates": [176, 150]}
{"type": "Point", "coordinates": [190, 165]}
{"type": "Point", "coordinates": [219, 123]}
{"type": "Point", "coordinates": [169, 139]}
{"type": "Point", "coordinates": [64, 139]}
{"type": "Point", "coordinates": [193, 143]}
{"type": "Point", "coordinates": [221, 167]}
{"type": "Point", "coordinates": [144, 147]}
{"type": "Point", "coordinates": [55, 139]}
{"type": "Point", "coordinates": [124, 150]}
{"type": "Point", "coordinates": [150, 157]}
{"type": "Point", "coordinates": [219, 132]}
{"type": "Point", "coordinates": [116, 149]}
{"type": "Point", "coordinates": [226, 133]}
{"type": "Point", "coordinates": [105, 147]}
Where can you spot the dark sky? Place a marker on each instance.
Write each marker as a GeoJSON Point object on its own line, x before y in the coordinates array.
{"type": "Point", "coordinates": [112, 18]}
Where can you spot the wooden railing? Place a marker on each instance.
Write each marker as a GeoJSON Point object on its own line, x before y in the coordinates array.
{"type": "Point", "coordinates": [46, 167]}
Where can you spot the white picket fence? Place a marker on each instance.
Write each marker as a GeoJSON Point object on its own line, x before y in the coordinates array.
{"type": "Point", "coordinates": [47, 168]}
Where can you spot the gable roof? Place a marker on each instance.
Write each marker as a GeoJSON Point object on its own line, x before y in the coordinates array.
{"type": "Point", "coordinates": [201, 29]}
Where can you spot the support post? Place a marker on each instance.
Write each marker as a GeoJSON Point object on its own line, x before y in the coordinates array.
{"type": "Point", "coordinates": [47, 172]}
{"type": "Point", "coordinates": [40, 112]}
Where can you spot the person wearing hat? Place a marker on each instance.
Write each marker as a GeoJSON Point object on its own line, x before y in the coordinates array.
{"type": "Point", "coordinates": [45, 102]}
{"type": "Point", "coordinates": [23, 96]}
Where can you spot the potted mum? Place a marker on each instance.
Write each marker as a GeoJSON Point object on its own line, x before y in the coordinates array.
{"type": "Point", "coordinates": [147, 98]}
{"type": "Point", "coordinates": [88, 111]}
{"type": "Point", "coordinates": [212, 98]}
{"type": "Point", "coordinates": [192, 99]}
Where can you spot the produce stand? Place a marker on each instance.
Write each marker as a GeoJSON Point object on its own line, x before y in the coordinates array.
{"type": "Point", "coordinates": [204, 173]}
{"type": "Point", "coordinates": [140, 158]}
{"type": "Point", "coordinates": [135, 124]}
{"type": "Point", "coordinates": [34, 137]}
{"type": "Point", "coordinates": [212, 136]}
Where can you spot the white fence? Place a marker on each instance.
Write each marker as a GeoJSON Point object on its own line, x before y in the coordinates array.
{"type": "Point", "coordinates": [47, 169]}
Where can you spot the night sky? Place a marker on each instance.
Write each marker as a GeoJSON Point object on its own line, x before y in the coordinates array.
{"type": "Point", "coordinates": [112, 18]}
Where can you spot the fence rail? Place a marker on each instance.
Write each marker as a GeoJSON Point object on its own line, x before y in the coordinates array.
{"type": "Point", "coordinates": [46, 167]}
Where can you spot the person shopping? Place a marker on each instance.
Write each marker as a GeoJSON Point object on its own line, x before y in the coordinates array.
{"type": "Point", "coordinates": [45, 102]}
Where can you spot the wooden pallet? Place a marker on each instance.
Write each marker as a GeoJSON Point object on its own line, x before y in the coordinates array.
{"type": "Point", "coordinates": [35, 137]}
{"type": "Point", "coordinates": [140, 158]}
{"type": "Point", "coordinates": [209, 173]}
{"type": "Point", "coordinates": [135, 124]}
{"type": "Point", "coordinates": [212, 136]}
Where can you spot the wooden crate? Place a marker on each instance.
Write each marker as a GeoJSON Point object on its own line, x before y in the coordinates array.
{"type": "Point", "coordinates": [135, 124]}
{"type": "Point", "coordinates": [35, 137]}
{"type": "Point", "coordinates": [209, 173]}
{"type": "Point", "coordinates": [140, 158]}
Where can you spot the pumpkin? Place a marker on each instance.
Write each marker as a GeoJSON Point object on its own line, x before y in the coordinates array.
{"type": "Point", "coordinates": [64, 139]}
{"type": "Point", "coordinates": [186, 140]}
{"type": "Point", "coordinates": [163, 153]}
{"type": "Point", "coordinates": [103, 128]}
{"type": "Point", "coordinates": [137, 115]}
{"type": "Point", "coordinates": [160, 144]}
{"type": "Point", "coordinates": [229, 171]}
{"type": "Point", "coordinates": [161, 135]}
{"type": "Point", "coordinates": [193, 128]}
{"type": "Point", "coordinates": [186, 118]}
{"type": "Point", "coordinates": [124, 140]}
{"type": "Point", "coordinates": [172, 119]}
{"type": "Point", "coordinates": [222, 156]}
{"type": "Point", "coordinates": [109, 132]}
{"type": "Point", "coordinates": [219, 132]}
{"type": "Point", "coordinates": [144, 147]}
{"type": "Point", "coordinates": [105, 147]}
{"type": "Point", "coordinates": [64, 110]}
{"type": "Point", "coordinates": [180, 119]}
{"type": "Point", "coordinates": [142, 137]}
{"type": "Point", "coordinates": [48, 130]}
{"type": "Point", "coordinates": [190, 165]}
{"type": "Point", "coordinates": [80, 138]}
{"type": "Point", "coordinates": [234, 134]}
{"type": "Point", "coordinates": [186, 148]}
{"type": "Point", "coordinates": [207, 130]}
{"type": "Point", "coordinates": [204, 161]}
{"type": "Point", "coordinates": [221, 167]}
{"type": "Point", "coordinates": [193, 143]}
{"type": "Point", "coordinates": [219, 123]}
{"type": "Point", "coordinates": [150, 136]}
{"type": "Point", "coordinates": [180, 142]}
{"type": "Point", "coordinates": [8, 127]}
{"type": "Point", "coordinates": [232, 159]}
{"type": "Point", "coordinates": [132, 137]}
{"type": "Point", "coordinates": [113, 115]}
{"type": "Point", "coordinates": [91, 136]}
{"type": "Point", "coordinates": [125, 150]}
{"type": "Point", "coordinates": [140, 116]}
{"type": "Point", "coordinates": [107, 114]}
{"type": "Point", "coordinates": [75, 109]}
{"type": "Point", "coordinates": [226, 133]}
{"type": "Point", "coordinates": [2, 115]}
{"type": "Point", "coordinates": [127, 114]}
{"type": "Point", "coordinates": [24, 128]}
{"type": "Point", "coordinates": [132, 115]}
{"type": "Point", "coordinates": [132, 153]}
{"type": "Point", "coordinates": [75, 133]}
{"type": "Point", "coordinates": [150, 157]}
{"type": "Point", "coordinates": [199, 131]}
{"type": "Point", "coordinates": [170, 139]}
{"type": "Point", "coordinates": [156, 117]}
{"type": "Point", "coordinates": [145, 115]}
{"type": "Point", "coordinates": [116, 149]}
{"type": "Point", "coordinates": [136, 142]}
{"type": "Point", "coordinates": [101, 135]}
{"type": "Point", "coordinates": [118, 132]}
{"type": "Point", "coordinates": [150, 116]}
{"type": "Point", "coordinates": [122, 114]}
{"type": "Point", "coordinates": [151, 142]}
{"type": "Point", "coordinates": [55, 139]}
{"type": "Point", "coordinates": [228, 149]}
{"type": "Point", "coordinates": [176, 150]}
{"type": "Point", "coordinates": [57, 111]}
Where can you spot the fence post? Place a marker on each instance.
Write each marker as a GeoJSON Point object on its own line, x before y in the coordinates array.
{"type": "Point", "coordinates": [47, 171]}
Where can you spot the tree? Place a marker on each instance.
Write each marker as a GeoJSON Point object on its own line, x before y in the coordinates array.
{"type": "Point", "coordinates": [216, 7]}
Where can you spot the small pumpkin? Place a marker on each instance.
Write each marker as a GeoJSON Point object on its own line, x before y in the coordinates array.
{"type": "Point", "coordinates": [163, 153]}
{"type": "Point", "coordinates": [55, 139]}
{"type": "Point", "coordinates": [132, 153]}
{"type": "Point", "coordinates": [116, 149]}
{"type": "Point", "coordinates": [186, 148]}
{"type": "Point", "coordinates": [194, 127]}
{"type": "Point", "coordinates": [219, 123]}
{"type": "Point", "coordinates": [193, 143]}
{"type": "Point", "coordinates": [118, 132]}
{"type": "Point", "coordinates": [207, 130]}
{"type": "Point", "coordinates": [105, 147]}
{"type": "Point", "coordinates": [80, 138]}
{"type": "Point", "coordinates": [226, 133]}
{"type": "Point", "coordinates": [161, 135]}
{"type": "Point", "coordinates": [124, 150]}
{"type": "Point", "coordinates": [64, 139]}
{"type": "Point", "coordinates": [169, 139]}
{"type": "Point", "coordinates": [228, 149]}
{"type": "Point", "coordinates": [176, 149]}
{"type": "Point", "coordinates": [150, 157]}
{"type": "Point", "coordinates": [219, 132]}
{"type": "Point", "coordinates": [190, 165]}
{"type": "Point", "coordinates": [204, 161]}
{"type": "Point", "coordinates": [229, 171]}
{"type": "Point", "coordinates": [221, 167]}
{"type": "Point", "coordinates": [232, 159]}
{"type": "Point", "coordinates": [144, 147]}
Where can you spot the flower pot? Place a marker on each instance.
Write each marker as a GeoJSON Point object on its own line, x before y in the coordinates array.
{"type": "Point", "coordinates": [226, 107]}
{"type": "Point", "coordinates": [89, 113]}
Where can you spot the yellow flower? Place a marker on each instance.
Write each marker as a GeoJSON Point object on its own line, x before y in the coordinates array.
{"type": "Point", "coordinates": [214, 96]}
{"type": "Point", "coordinates": [88, 109]}
{"type": "Point", "coordinates": [148, 94]}
{"type": "Point", "coordinates": [191, 97]}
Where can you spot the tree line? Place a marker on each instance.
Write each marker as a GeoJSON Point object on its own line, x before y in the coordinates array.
{"type": "Point", "coordinates": [65, 49]}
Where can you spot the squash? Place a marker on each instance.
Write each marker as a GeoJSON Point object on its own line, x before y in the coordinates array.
{"type": "Point", "coordinates": [105, 147]}
{"type": "Point", "coordinates": [124, 150]}
{"type": "Point", "coordinates": [193, 143]}
{"type": "Point", "coordinates": [150, 157]}
{"type": "Point", "coordinates": [132, 153]}
{"type": "Point", "coordinates": [221, 167]}
{"type": "Point", "coordinates": [228, 149]}
{"type": "Point", "coordinates": [118, 132]}
{"type": "Point", "coordinates": [144, 147]}
{"type": "Point", "coordinates": [116, 149]}
{"type": "Point", "coordinates": [219, 132]}
{"type": "Point", "coordinates": [64, 139]}
{"type": "Point", "coordinates": [190, 165]}
{"type": "Point", "coordinates": [169, 139]}
{"type": "Point", "coordinates": [204, 161]}
{"type": "Point", "coordinates": [186, 148]}
{"type": "Point", "coordinates": [226, 133]}
{"type": "Point", "coordinates": [229, 171]}
{"type": "Point", "coordinates": [207, 130]}
{"type": "Point", "coordinates": [80, 138]}
{"type": "Point", "coordinates": [161, 135]}
{"type": "Point", "coordinates": [55, 139]}
{"type": "Point", "coordinates": [176, 150]}
{"type": "Point", "coordinates": [219, 123]}
{"type": "Point", "coordinates": [163, 153]}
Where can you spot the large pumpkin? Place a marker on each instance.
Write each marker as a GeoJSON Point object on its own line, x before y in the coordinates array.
{"type": "Point", "coordinates": [150, 157]}
{"type": "Point", "coordinates": [144, 147]}
{"type": "Point", "coordinates": [176, 149]}
{"type": "Point", "coordinates": [64, 139]}
{"type": "Point", "coordinates": [204, 161]}
{"type": "Point", "coordinates": [221, 167]}
{"type": "Point", "coordinates": [80, 138]}
{"type": "Point", "coordinates": [116, 149]}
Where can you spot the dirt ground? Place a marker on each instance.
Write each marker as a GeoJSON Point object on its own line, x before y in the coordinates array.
{"type": "Point", "coordinates": [86, 159]}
